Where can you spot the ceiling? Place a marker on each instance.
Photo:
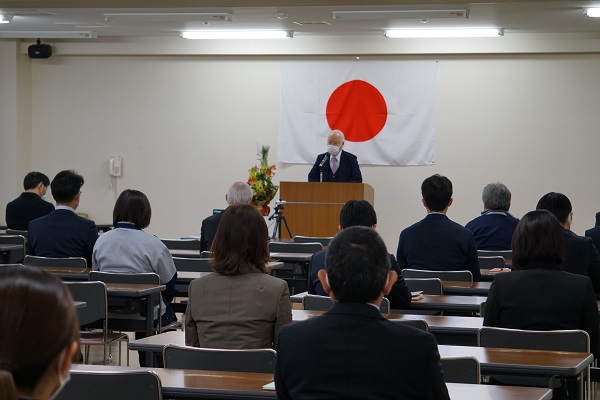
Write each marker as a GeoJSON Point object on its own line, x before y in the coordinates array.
{"type": "Point", "coordinates": [304, 17]}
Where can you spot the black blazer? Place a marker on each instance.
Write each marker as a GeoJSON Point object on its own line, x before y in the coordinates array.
{"type": "Point", "coordinates": [348, 169]}
{"type": "Point", "coordinates": [582, 257]}
{"type": "Point", "coordinates": [208, 230]}
{"type": "Point", "coordinates": [353, 352]}
{"type": "Point", "coordinates": [594, 233]}
{"type": "Point", "coordinates": [27, 207]}
{"type": "Point", "coordinates": [399, 296]}
{"type": "Point", "coordinates": [543, 298]}
{"type": "Point", "coordinates": [62, 233]}
{"type": "Point", "coordinates": [436, 243]}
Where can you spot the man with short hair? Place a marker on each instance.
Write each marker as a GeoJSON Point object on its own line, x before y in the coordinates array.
{"type": "Point", "coordinates": [494, 228]}
{"type": "Point", "coordinates": [337, 165]}
{"type": "Point", "coordinates": [436, 243]}
{"type": "Point", "coordinates": [352, 351]}
{"type": "Point", "coordinates": [581, 256]}
{"type": "Point", "coordinates": [359, 213]}
{"type": "Point", "coordinates": [62, 233]}
{"type": "Point", "coordinates": [238, 193]}
{"type": "Point", "coordinates": [30, 204]}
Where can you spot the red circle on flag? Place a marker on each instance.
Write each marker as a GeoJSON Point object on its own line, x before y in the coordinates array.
{"type": "Point", "coordinates": [358, 109]}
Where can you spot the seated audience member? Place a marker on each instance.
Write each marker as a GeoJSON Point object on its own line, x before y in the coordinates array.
{"type": "Point", "coordinates": [436, 243]}
{"type": "Point", "coordinates": [494, 228]}
{"type": "Point", "coordinates": [238, 193]}
{"type": "Point", "coordinates": [39, 335]}
{"type": "Point", "coordinates": [62, 233]}
{"type": "Point", "coordinates": [352, 351]}
{"type": "Point", "coordinates": [30, 204]}
{"type": "Point", "coordinates": [594, 233]}
{"type": "Point", "coordinates": [337, 165]}
{"type": "Point", "coordinates": [240, 306]}
{"type": "Point", "coordinates": [359, 213]}
{"type": "Point", "coordinates": [581, 256]}
{"type": "Point", "coordinates": [128, 249]}
{"type": "Point", "coordinates": [538, 294]}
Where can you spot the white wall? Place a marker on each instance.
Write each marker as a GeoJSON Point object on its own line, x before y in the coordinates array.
{"type": "Point", "coordinates": [187, 126]}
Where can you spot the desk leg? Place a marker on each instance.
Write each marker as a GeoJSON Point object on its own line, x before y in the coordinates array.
{"type": "Point", "coordinates": [148, 355]}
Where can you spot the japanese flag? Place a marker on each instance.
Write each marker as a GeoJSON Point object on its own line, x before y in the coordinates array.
{"type": "Point", "coordinates": [386, 110]}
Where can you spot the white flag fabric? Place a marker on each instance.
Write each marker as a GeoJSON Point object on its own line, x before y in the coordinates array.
{"type": "Point", "coordinates": [386, 110]}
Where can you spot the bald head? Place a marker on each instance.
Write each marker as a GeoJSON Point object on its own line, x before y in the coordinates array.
{"type": "Point", "coordinates": [336, 138]}
{"type": "Point", "coordinates": [239, 193]}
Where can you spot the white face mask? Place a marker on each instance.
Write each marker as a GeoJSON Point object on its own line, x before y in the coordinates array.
{"type": "Point", "coordinates": [62, 380]}
{"type": "Point", "coordinates": [333, 150]}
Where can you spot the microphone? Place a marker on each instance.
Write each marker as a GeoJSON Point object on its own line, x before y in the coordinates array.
{"type": "Point", "coordinates": [324, 160]}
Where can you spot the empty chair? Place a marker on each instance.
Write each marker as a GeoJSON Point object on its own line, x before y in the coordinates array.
{"type": "Point", "coordinates": [465, 276]}
{"type": "Point", "coordinates": [74, 264]}
{"type": "Point", "coordinates": [14, 232]}
{"type": "Point", "coordinates": [491, 262]}
{"type": "Point", "coordinates": [323, 303]}
{"type": "Point", "coordinates": [95, 314]}
{"type": "Point", "coordinates": [192, 264]}
{"type": "Point", "coordinates": [287, 247]}
{"type": "Point", "coordinates": [313, 239]}
{"type": "Point", "coordinates": [558, 340]}
{"type": "Point", "coordinates": [415, 323]}
{"type": "Point", "coordinates": [426, 285]}
{"type": "Point", "coordinates": [14, 255]}
{"type": "Point", "coordinates": [461, 370]}
{"type": "Point", "coordinates": [506, 254]}
{"type": "Point", "coordinates": [184, 357]}
{"type": "Point", "coordinates": [125, 309]}
{"type": "Point", "coordinates": [117, 385]}
{"type": "Point", "coordinates": [183, 247]}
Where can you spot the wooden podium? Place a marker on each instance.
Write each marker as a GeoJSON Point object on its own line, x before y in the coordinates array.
{"type": "Point", "coordinates": [313, 208]}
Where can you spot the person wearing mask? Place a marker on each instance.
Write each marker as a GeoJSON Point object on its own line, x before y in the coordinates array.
{"type": "Point", "coordinates": [39, 335]}
{"type": "Point", "coordinates": [336, 165]}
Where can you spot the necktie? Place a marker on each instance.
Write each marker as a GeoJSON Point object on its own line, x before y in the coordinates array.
{"type": "Point", "coordinates": [334, 164]}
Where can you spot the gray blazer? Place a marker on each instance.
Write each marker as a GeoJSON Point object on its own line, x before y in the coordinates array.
{"type": "Point", "coordinates": [236, 312]}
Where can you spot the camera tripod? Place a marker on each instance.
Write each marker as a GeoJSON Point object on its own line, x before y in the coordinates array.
{"type": "Point", "coordinates": [278, 217]}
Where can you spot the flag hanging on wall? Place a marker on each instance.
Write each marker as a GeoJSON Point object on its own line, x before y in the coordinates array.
{"type": "Point", "coordinates": [386, 110]}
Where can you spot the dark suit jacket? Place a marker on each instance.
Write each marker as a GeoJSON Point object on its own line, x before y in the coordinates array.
{"type": "Point", "coordinates": [438, 244]}
{"type": "Point", "coordinates": [582, 257]}
{"type": "Point", "coordinates": [493, 230]}
{"type": "Point", "coordinates": [353, 352]}
{"type": "Point", "coordinates": [543, 298]}
{"type": "Point", "coordinates": [399, 296]}
{"type": "Point", "coordinates": [594, 233]}
{"type": "Point", "coordinates": [62, 233]}
{"type": "Point", "coordinates": [27, 207]}
{"type": "Point", "coordinates": [348, 169]}
{"type": "Point", "coordinates": [208, 230]}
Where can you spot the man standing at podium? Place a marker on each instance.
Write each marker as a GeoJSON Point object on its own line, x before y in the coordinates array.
{"type": "Point", "coordinates": [336, 165]}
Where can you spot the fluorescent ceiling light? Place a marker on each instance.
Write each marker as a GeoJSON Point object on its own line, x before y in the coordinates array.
{"type": "Point", "coordinates": [593, 12]}
{"type": "Point", "coordinates": [47, 34]}
{"type": "Point", "coordinates": [236, 34]}
{"type": "Point", "coordinates": [441, 33]}
{"type": "Point", "coordinates": [167, 17]}
{"type": "Point", "coordinates": [400, 14]}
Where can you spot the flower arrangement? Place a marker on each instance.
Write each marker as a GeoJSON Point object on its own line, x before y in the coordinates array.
{"type": "Point", "coordinates": [259, 179]}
